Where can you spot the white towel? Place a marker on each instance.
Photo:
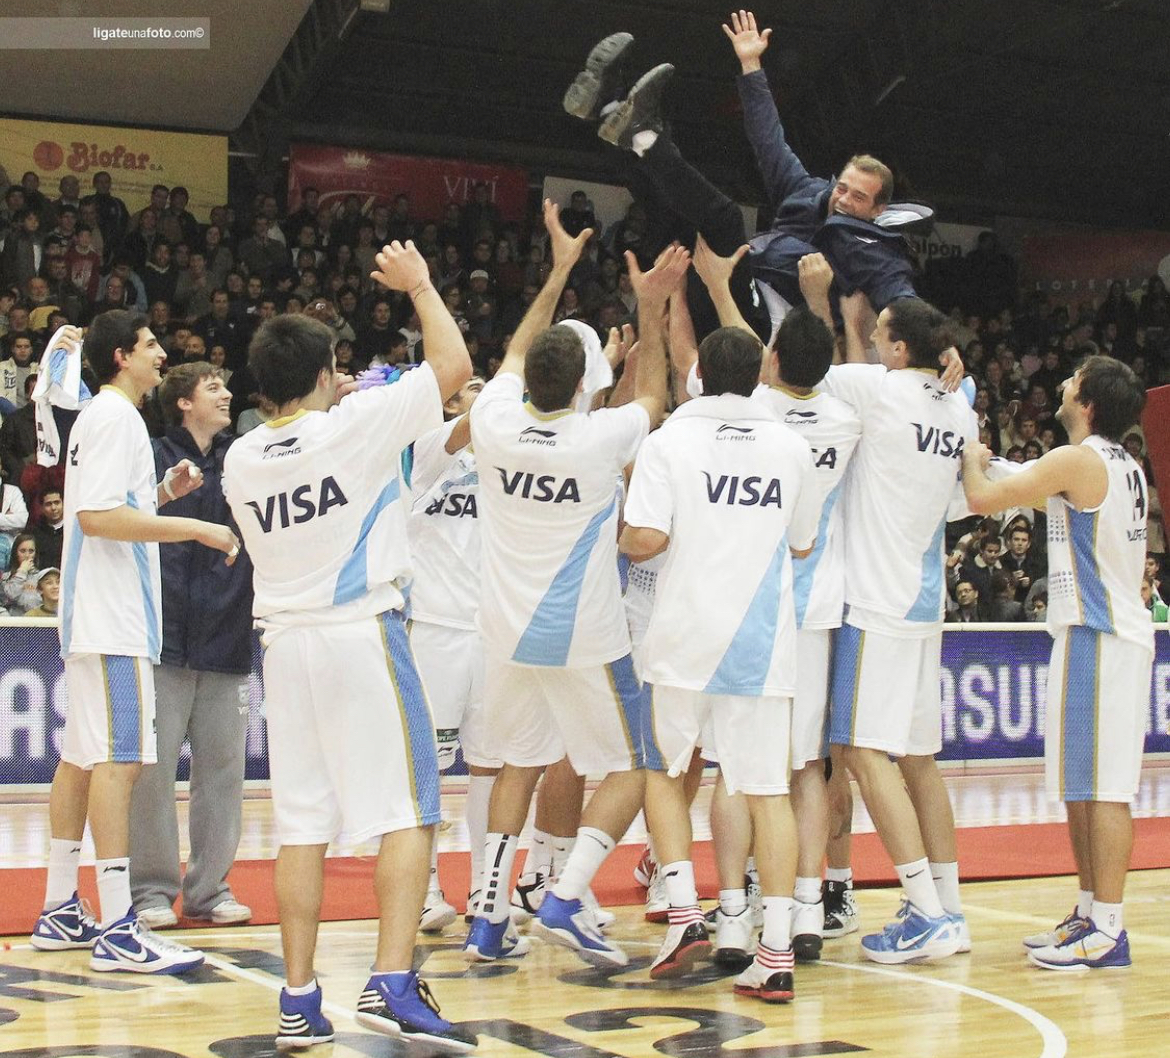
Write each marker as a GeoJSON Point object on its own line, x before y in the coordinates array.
{"type": "Point", "coordinates": [58, 385]}
{"type": "Point", "coordinates": [598, 373]}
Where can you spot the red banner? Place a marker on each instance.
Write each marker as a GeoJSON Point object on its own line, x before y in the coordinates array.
{"type": "Point", "coordinates": [1076, 267]}
{"type": "Point", "coordinates": [431, 183]}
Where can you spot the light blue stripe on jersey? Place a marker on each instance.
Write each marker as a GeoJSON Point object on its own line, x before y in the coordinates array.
{"type": "Point", "coordinates": [353, 580]}
{"type": "Point", "coordinates": [928, 605]}
{"type": "Point", "coordinates": [804, 570]}
{"type": "Point", "coordinates": [651, 754]}
{"type": "Point", "coordinates": [634, 701]}
{"type": "Point", "coordinates": [1082, 536]}
{"type": "Point", "coordinates": [549, 634]}
{"type": "Point", "coordinates": [145, 582]}
{"type": "Point", "coordinates": [843, 694]}
{"type": "Point", "coordinates": [124, 702]}
{"type": "Point", "coordinates": [744, 667]}
{"type": "Point", "coordinates": [69, 584]}
{"type": "Point", "coordinates": [57, 362]}
{"type": "Point", "coordinates": [1078, 736]}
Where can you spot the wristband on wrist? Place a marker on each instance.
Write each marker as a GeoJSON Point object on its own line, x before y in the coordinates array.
{"type": "Point", "coordinates": [420, 288]}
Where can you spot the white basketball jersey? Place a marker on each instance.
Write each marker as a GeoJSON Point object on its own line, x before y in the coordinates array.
{"type": "Point", "coordinates": [1096, 558]}
{"type": "Point", "coordinates": [735, 490]}
{"type": "Point", "coordinates": [550, 492]}
{"type": "Point", "coordinates": [832, 429]}
{"type": "Point", "coordinates": [897, 493]}
{"type": "Point", "coordinates": [318, 497]}
{"type": "Point", "coordinates": [444, 532]}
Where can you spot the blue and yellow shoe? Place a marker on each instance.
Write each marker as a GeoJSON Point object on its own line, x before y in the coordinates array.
{"type": "Point", "coordinates": [489, 941]}
{"type": "Point", "coordinates": [1073, 923]}
{"type": "Point", "coordinates": [913, 937]}
{"type": "Point", "coordinates": [570, 924]}
{"type": "Point", "coordinates": [69, 925]}
{"type": "Point", "coordinates": [400, 1004]}
{"type": "Point", "coordinates": [1086, 949]}
{"type": "Point", "coordinates": [301, 1022]}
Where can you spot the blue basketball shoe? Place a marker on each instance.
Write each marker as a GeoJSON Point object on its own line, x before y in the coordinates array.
{"type": "Point", "coordinates": [488, 941]}
{"type": "Point", "coordinates": [1086, 949]}
{"type": "Point", "coordinates": [301, 1022]}
{"type": "Point", "coordinates": [913, 937]}
{"type": "Point", "coordinates": [126, 945]}
{"type": "Point", "coordinates": [571, 924]}
{"type": "Point", "coordinates": [400, 1004]}
{"type": "Point", "coordinates": [69, 925]}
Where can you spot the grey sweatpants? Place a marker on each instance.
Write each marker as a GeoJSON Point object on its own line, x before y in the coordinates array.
{"type": "Point", "coordinates": [205, 707]}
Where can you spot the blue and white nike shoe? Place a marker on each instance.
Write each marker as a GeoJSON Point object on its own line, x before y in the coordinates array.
{"type": "Point", "coordinates": [69, 925]}
{"type": "Point", "coordinates": [1087, 949]}
{"type": "Point", "coordinates": [488, 941]}
{"type": "Point", "coordinates": [572, 925]}
{"type": "Point", "coordinates": [912, 938]}
{"type": "Point", "coordinates": [126, 945]}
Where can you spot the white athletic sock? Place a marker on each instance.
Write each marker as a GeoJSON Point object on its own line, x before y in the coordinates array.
{"type": "Point", "coordinates": [946, 882]}
{"type": "Point", "coordinates": [499, 853]}
{"type": "Point", "coordinates": [479, 792]}
{"type": "Point", "coordinates": [113, 878]}
{"type": "Point", "coordinates": [1107, 918]}
{"type": "Point", "coordinates": [562, 849]}
{"type": "Point", "coordinates": [840, 874]}
{"type": "Point", "coordinates": [590, 849]}
{"type": "Point", "coordinates": [777, 923]}
{"type": "Point", "coordinates": [808, 890]}
{"type": "Point", "coordinates": [64, 856]}
{"type": "Point", "coordinates": [919, 885]}
{"type": "Point", "coordinates": [643, 141]}
{"type": "Point", "coordinates": [732, 901]}
{"type": "Point", "coordinates": [539, 858]}
{"type": "Point", "coordinates": [680, 883]}
{"type": "Point", "coordinates": [301, 990]}
{"type": "Point", "coordinates": [1084, 903]}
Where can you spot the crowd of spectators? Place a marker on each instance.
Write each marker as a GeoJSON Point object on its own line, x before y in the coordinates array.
{"type": "Point", "coordinates": [206, 287]}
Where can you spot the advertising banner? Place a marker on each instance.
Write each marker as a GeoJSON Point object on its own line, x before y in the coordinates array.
{"type": "Point", "coordinates": [993, 695]}
{"type": "Point", "coordinates": [1081, 266]}
{"type": "Point", "coordinates": [946, 242]}
{"type": "Point", "coordinates": [378, 178]}
{"type": "Point", "coordinates": [136, 160]}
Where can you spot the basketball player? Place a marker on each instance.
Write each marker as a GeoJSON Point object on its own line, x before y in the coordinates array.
{"type": "Point", "coordinates": [111, 637]}
{"type": "Point", "coordinates": [802, 354]}
{"type": "Point", "coordinates": [1103, 644]}
{"type": "Point", "coordinates": [444, 545]}
{"type": "Point", "coordinates": [351, 739]}
{"type": "Point", "coordinates": [559, 677]}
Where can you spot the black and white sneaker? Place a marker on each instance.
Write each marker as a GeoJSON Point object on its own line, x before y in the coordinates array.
{"type": "Point", "coordinates": [840, 910]}
{"type": "Point", "coordinates": [601, 81]}
{"type": "Point", "coordinates": [640, 112]}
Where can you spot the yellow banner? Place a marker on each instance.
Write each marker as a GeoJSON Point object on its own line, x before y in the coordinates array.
{"type": "Point", "coordinates": [136, 160]}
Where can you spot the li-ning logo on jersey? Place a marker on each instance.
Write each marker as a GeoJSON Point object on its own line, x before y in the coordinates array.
{"type": "Point", "coordinates": [279, 449]}
{"type": "Point", "coordinates": [727, 432]}
{"type": "Point", "coordinates": [536, 436]}
{"type": "Point", "coordinates": [800, 418]}
{"type": "Point", "coordinates": [544, 488]}
{"type": "Point", "coordinates": [744, 492]}
{"type": "Point", "coordinates": [281, 504]}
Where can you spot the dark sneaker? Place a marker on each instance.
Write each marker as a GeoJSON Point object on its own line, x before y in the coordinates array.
{"type": "Point", "coordinates": [840, 910]}
{"type": "Point", "coordinates": [684, 945]}
{"type": "Point", "coordinates": [410, 1014]}
{"type": "Point", "coordinates": [770, 976]}
{"type": "Point", "coordinates": [601, 81]}
{"type": "Point", "coordinates": [641, 111]}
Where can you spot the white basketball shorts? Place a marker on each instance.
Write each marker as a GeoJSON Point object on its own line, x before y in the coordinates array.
{"type": "Point", "coordinates": [110, 718]}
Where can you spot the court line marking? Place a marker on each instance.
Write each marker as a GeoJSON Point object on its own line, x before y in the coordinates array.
{"type": "Point", "coordinates": [1055, 1043]}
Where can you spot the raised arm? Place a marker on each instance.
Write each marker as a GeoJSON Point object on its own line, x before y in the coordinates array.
{"type": "Point", "coordinates": [1071, 470]}
{"type": "Point", "coordinates": [715, 272]}
{"type": "Point", "coordinates": [653, 289]}
{"type": "Point", "coordinates": [566, 250]}
{"type": "Point", "coordinates": [403, 268]}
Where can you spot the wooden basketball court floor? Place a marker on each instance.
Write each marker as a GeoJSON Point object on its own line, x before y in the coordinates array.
{"type": "Point", "coordinates": [990, 1003]}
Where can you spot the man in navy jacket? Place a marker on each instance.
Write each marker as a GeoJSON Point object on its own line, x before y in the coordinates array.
{"type": "Point", "coordinates": [202, 682]}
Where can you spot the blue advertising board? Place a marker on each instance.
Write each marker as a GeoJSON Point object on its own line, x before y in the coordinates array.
{"type": "Point", "coordinates": [993, 694]}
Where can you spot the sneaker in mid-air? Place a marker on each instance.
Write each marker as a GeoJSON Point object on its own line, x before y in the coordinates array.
{"type": "Point", "coordinates": [301, 1022]}
{"type": "Point", "coordinates": [685, 943]}
{"type": "Point", "coordinates": [640, 111]}
{"type": "Point", "coordinates": [735, 938]}
{"type": "Point", "coordinates": [912, 938]}
{"type": "Point", "coordinates": [808, 922]}
{"type": "Point", "coordinates": [437, 914]}
{"type": "Point", "coordinates": [489, 941]}
{"type": "Point", "coordinates": [527, 896]}
{"type": "Point", "coordinates": [840, 910]}
{"type": "Point", "coordinates": [402, 1006]}
{"type": "Point", "coordinates": [1087, 949]}
{"type": "Point", "coordinates": [769, 977]}
{"type": "Point", "coordinates": [68, 925]}
{"type": "Point", "coordinates": [657, 902]}
{"type": "Point", "coordinates": [602, 80]}
{"type": "Point", "coordinates": [571, 924]}
{"type": "Point", "coordinates": [126, 945]}
{"type": "Point", "coordinates": [1073, 923]}
{"type": "Point", "coordinates": [645, 868]}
